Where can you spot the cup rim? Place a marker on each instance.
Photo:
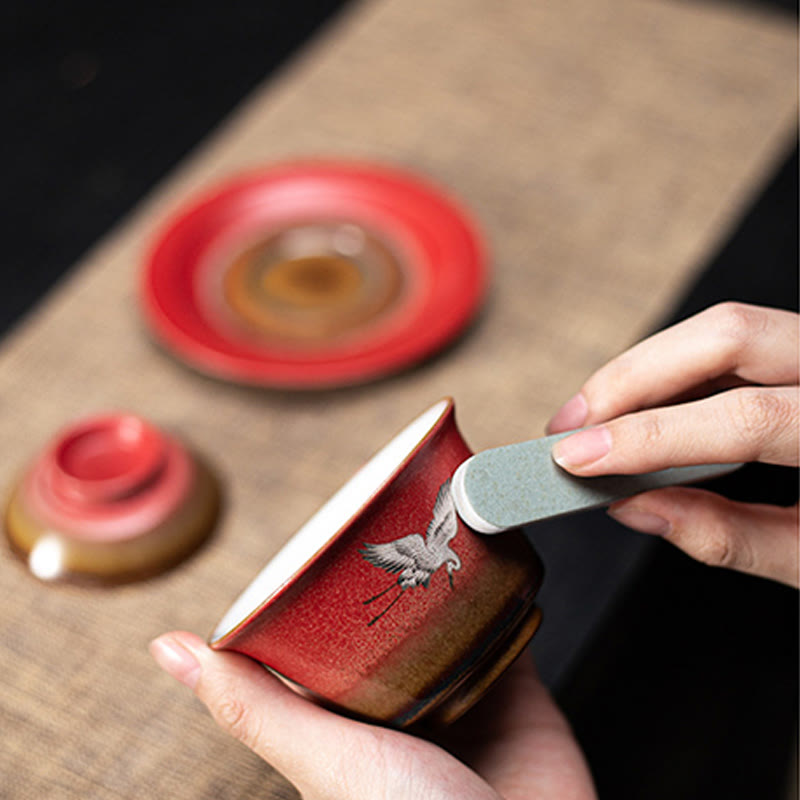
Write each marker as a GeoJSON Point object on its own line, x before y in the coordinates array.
{"type": "Point", "coordinates": [226, 630]}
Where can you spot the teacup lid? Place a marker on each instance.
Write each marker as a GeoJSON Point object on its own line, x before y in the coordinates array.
{"type": "Point", "coordinates": [113, 495]}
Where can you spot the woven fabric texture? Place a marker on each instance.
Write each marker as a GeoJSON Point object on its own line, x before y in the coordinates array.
{"type": "Point", "coordinates": [604, 147]}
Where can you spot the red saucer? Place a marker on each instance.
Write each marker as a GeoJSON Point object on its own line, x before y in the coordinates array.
{"type": "Point", "coordinates": [314, 275]}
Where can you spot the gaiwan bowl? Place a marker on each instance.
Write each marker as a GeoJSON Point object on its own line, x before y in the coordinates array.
{"type": "Point", "coordinates": [385, 605]}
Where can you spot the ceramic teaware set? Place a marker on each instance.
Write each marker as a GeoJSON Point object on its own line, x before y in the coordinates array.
{"type": "Point", "coordinates": [394, 602]}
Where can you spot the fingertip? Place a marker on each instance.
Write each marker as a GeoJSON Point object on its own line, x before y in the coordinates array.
{"type": "Point", "coordinates": [581, 451]}
{"type": "Point", "coordinates": [633, 516]}
{"type": "Point", "coordinates": [191, 641]}
{"type": "Point", "coordinates": [570, 416]}
{"type": "Point", "coordinates": [175, 653]}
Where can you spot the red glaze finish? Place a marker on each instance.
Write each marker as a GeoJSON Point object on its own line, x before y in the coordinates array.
{"type": "Point", "coordinates": [436, 245]}
{"type": "Point", "coordinates": [316, 629]}
{"type": "Point", "coordinates": [109, 478]}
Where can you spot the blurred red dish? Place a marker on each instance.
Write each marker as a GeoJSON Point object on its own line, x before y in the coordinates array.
{"type": "Point", "coordinates": [314, 275]}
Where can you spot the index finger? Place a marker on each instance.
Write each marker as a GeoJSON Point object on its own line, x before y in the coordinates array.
{"type": "Point", "coordinates": [744, 343]}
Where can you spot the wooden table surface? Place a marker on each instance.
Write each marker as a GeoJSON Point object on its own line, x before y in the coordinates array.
{"type": "Point", "coordinates": [604, 147]}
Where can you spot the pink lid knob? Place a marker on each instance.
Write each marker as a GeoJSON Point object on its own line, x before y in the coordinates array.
{"type": "Point", "coordinates": [108, 478]}
{"type": "Point", "coordinates": [106, 458]}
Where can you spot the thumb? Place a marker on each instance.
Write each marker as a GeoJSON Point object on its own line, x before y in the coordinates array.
{"type": "Point", "coordinates": [324, 755]}
{"type": "Point", "coordinates": [252, 706]}
{"type": "Point", "coordinates": [749, 537]}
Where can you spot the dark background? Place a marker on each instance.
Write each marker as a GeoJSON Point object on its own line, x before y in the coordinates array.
{"type": "Point", "coordinates": [689, 688]}
{"type": "Point", "coordinates": [105, 98]}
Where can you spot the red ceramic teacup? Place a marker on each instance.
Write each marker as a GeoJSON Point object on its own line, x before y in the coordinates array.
{"type": "Point", "coordinates": [385, 605]}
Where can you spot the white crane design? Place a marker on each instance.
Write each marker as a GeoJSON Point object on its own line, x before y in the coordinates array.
{"type": "Point", "coordinates": [415, 558]}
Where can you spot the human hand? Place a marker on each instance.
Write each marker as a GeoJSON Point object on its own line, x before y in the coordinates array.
{"type": "Point", "coordinates": [720, 387]}
{"type": "Point", "coordinates": [517, 742]}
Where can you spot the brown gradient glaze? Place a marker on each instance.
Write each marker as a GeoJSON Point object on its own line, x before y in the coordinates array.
{"type": "Point", "coordinates": [298, 286]}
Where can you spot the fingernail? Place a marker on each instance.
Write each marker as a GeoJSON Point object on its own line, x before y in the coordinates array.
{"type": "Point", "coordinates": [583, 448]}
{"type": "Point", "coordinates": [175, 660]}
{"type": "Point", "coordinates": [570, 416]}
{"type": "Point", "coordinates": [642, 521]}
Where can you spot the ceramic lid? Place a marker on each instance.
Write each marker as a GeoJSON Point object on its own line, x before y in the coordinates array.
{"type": "Point", "coordinates": [111, 497]}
